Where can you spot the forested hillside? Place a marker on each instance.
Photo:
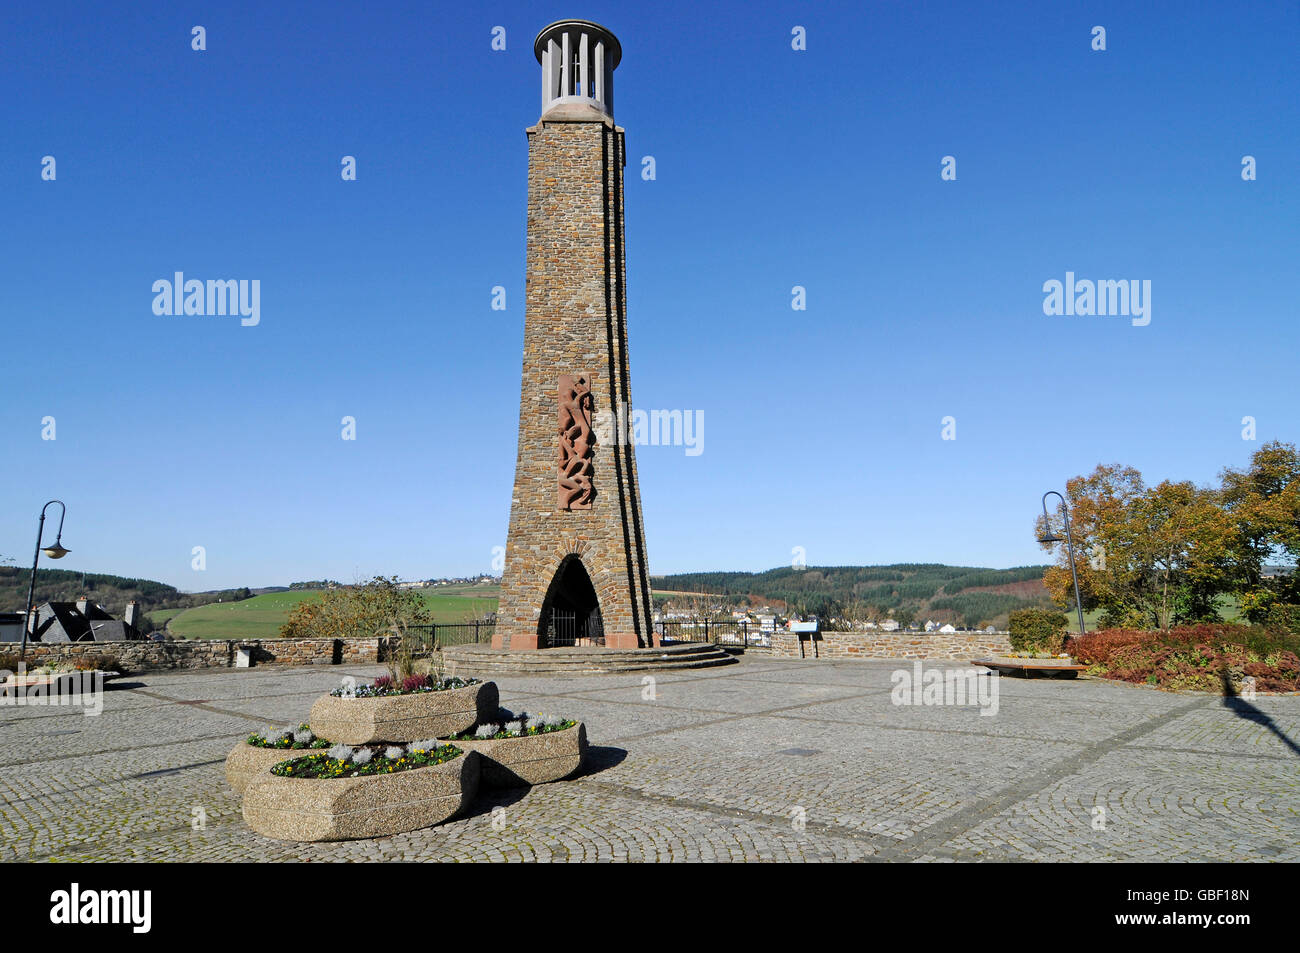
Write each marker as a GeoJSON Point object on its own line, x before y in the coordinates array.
{"type": "Point", "coordinates": [111, 592]}
{"type": "Point", "coordinates": [964, 595]}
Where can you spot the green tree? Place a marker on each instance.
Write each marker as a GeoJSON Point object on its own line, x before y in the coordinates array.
{"type": "Point", "coordinates": [1147, 556]}
{"type": "Point", "coordinates": [377, 607]}
{"type": "Point", "coordinates": [1262, 503]}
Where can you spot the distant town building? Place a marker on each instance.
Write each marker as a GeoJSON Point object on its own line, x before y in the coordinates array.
{"type": "Point", "coordinates": [11, 626]}
{"type": "Point", "coordinates": [948, 629]}
{"type": "Point", "coordinates": [890, 625]}
{"type": "Point", "coordinates": [81, 621]}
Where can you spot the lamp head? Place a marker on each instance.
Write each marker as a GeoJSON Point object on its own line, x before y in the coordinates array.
{"type": "Point", "coordinates": [56, 551]}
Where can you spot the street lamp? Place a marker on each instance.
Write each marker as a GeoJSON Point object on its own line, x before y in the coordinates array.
{"type": "Point", "coordinates": [54, 552]}
{"type": "Point", "coordinates": [1050, 537]}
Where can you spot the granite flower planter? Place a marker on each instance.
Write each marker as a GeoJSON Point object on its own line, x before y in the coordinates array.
{"type": "Point", "coordinates": [63, 684]}
{"type": "Point", "coordinates": [246, 760]}
{"type": "Point", "coordinates": [529, 759]}
{"type": "Point", "coordinates": [377, 805]}
{"type": "Point", "coordinates": [400, 718]}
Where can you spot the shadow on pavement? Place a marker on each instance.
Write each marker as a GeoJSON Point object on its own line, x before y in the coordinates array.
{"type": "Point", "coordinates": [1244, 709]}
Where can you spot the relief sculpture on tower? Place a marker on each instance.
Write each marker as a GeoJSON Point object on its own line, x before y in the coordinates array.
{"type": "Point", "coordinates": [576, 438]}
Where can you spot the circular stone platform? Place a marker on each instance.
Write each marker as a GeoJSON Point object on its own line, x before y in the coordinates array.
{"type": "Point", "coordinates": [483, 661]}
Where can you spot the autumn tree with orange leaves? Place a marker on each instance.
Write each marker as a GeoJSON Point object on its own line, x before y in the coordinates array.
{"type": "Point", "coordinates": [1167, 554]}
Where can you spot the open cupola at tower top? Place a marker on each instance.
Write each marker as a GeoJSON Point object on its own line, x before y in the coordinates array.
{"type": "Point", "coordinates": [578, 58]}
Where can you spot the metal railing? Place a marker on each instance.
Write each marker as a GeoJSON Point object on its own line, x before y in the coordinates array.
{"type": "Point", "coordinates": [719, 632]}
{"type": "Point", "coordinates": [566, 629]}
{"type": "Point", "coordinates": [453, 633]}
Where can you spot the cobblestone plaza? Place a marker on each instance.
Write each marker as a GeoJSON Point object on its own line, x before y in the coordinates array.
{"type": "Point", "coordinates": [768, 760]}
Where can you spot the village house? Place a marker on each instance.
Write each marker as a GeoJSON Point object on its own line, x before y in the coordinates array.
{"type": "Point", "coordinates": [80, 621]}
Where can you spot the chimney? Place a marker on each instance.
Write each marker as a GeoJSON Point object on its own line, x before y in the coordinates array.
{"type": "Point", "coordinates": [132, 615]}
{"type": "Point", "coordinates": [83, 603]}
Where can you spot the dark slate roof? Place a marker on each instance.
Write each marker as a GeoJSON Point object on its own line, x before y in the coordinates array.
{"type": "Point", "coordinates": [112, 631]}
{"type": "Point", "coordinates": [64, 622]}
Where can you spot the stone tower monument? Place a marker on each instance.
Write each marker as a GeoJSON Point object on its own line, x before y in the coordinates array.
{"type": "Point", "coordinates": [575, 570]}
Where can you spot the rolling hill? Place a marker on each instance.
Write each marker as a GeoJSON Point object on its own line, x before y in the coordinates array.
{"type": "Point", "coordinates": [157, 599]}
{"type": "Point", "coordinates": [262, 616]}
{"type": "Point", "coordinates": [963, 595]}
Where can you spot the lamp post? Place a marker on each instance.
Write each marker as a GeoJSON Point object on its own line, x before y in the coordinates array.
{"type": "Point", "coordinates": [1050, 537]}
{"type": "Point", "coordinates": [54, 552]}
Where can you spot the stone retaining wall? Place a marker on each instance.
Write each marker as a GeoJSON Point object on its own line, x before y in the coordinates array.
{"type": "Point", "coordinates": [866, 645]}
{"type": "Point", "coordinates": [148, 656]}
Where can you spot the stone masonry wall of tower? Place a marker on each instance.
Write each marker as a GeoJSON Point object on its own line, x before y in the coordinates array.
{"type": "Point", "coordinates": [574, 324]}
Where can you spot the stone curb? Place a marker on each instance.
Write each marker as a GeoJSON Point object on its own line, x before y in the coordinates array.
{"type": "Point", "coordinates": [378, 805]}
{"type": "Point", "coordinates": [536, 759]}
{"type": "Point", "coordinates": [246, 760]}
{"type": "Point", "coordinates": [403, 718]}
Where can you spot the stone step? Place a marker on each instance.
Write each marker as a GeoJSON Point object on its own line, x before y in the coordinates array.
{"type": "Point", "coordinates": [596, 663]}
{"type": "Point", "coordinates": [601, 655]}
{"type": "Point", "coordinates": [481, 662]}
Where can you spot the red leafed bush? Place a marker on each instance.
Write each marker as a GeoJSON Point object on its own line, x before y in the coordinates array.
{"type": "Point", "coordinates": [414, 683]}
{"type": "Point", "coordinates": [1194, 657]}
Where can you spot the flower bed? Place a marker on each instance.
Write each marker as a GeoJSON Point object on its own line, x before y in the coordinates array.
{"type": "Point", "coordinates": [525, 751]}
{"type": "Point", "coordinates": [261, 750]}
{"type": "Point", "coordinates": [1195, 658]}
{"type": "Point", "coordinates": [344, 761]}
{"type": "Point", "coordinates": [368, 716]}
{"type": "Point", "coordinates": [323, 798]}
{"type": "Point", "coordinates": [386, 687]}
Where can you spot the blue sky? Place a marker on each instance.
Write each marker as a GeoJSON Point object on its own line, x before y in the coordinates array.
{"type": "Point", "coordinates": [775, 168]}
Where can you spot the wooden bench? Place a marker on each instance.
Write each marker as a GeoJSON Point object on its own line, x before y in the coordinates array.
{"type": "Point", "coordinates": [1031, 667]}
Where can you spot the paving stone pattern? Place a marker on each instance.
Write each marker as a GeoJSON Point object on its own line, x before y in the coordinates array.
{"type": "Point", "coordinates": [768, 760]}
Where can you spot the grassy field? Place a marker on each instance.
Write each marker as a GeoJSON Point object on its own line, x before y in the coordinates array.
{"type": "Point", "coordinates": [1229, 611]}
{"type": "Point", "coordinates": [160, 617]}
{"type": "Point", "coordinates": [261, 616]}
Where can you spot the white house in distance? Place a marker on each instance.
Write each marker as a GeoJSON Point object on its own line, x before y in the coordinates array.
{"type": "Point", "coordinates": [890, 625]}
{"type": "Point", "coordinates": [948, 629]}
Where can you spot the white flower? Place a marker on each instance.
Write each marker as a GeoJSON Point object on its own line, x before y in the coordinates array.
{"type": "Point", "coordinates": [273, 735]}
{"type": "Point", "coordinates": [340, 752]}
{"type": "Point", "coordinates": [536, 722]}
{"type": "Point", "coordinates": [552, 721]}
{"type": "Point", "coordinates": [515, 728]}
{"type": "Point", "coordinates": [362, 756]}
{"type": "Point", "coordinates": [393, 752]}
{"type": "Point", "coordinates": [486, 731]}
{"type": "Point", "coordinates": [303, 737]}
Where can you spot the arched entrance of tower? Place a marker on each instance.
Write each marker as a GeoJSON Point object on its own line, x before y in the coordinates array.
{"type": "Point", "coordinates": [570, 611]}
